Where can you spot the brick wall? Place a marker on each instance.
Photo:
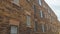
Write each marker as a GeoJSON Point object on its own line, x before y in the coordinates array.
{"type": "Point", "coordinates": [12, 14]}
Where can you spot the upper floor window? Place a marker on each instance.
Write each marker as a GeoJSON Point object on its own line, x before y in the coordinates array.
{"type": "Point", "coordinates": [49, 11]}
{"type": "Point", "coordinates": [39, 1]}
{"type": "Point", "coordinates": [16, 2]}
{"type": "Point", "coordinates": [28, 21]}
{"type": "Point", "coordinates": [41, 14]}
{"type": "Point", "coordinates": [34, 7]}
{"type": "Point", "coordinates": [13, 29]}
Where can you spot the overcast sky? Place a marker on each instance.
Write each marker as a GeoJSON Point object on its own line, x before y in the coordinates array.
{"type": "Point", "coordinates": [55, 5]}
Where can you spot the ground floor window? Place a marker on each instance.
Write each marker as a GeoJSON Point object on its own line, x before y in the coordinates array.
{"type": "Point", "coordinates": [14, 30]}
{"type": "Point", "coordinates": [35, 26]}
{"type": "Point", "coordinates": [43, 29]}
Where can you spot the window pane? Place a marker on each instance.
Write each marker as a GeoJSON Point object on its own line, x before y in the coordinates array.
{"type": "Point", "coordinates": [41, 14]}
{"type": "Point", "coordinates": [43, 30]}
{"type": "Point", "coordinates": [28, 21]}
{"type": "Point", "coordinates": [34, 7]}
{"type": "Point", "coordinates": [13, 30]}
{"type": "Point", "coordinates": [36, 26]}
{"type": "Point", "coordinates": [28, 0]}
{"type": "Point", "coordinates": [16, 1]}
{"type": "Point", "coordinates": [39, 2]}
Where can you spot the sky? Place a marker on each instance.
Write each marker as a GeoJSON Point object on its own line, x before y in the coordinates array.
{"type": "Point", "coordinates": [55, 6]}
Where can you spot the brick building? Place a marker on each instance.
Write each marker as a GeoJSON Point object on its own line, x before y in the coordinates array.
{"type": "Point", "coordinates": [27, 17]}
{"type": "Point", "coordinates": [58, 27]}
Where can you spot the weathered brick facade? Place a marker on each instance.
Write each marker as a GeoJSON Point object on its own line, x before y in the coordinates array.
{"type": "Point", "coordinates": [13, 14]}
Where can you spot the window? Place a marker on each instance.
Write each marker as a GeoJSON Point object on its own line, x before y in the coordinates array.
{"type": "Point", "coordinates": [27, 0]}
{"type": "Point", "coordinates": [28, 30]}
{"type": "Point", "coordinates": [43, 27]}
{"type": "Point", "coordinates": [49, 11]}
{"type": "Point", "coordinates": [34, 7]}
{"type": "Point", "coordinates": [1, 19]}
{"type": "Point", "coordinates": [43, 30]}
{"type": "Point", "coordinates": [39, 2]}
{"type": "Point", "coordinates": [16, 2]}
{"type": "Point", "coordinates": [36, 26]}
{"type": "Point", "coordinates": [13, 30]}
{"type": "Point", "coordinates": [41, 14]}
{"type": "Point", "coordinates": [28, 21]}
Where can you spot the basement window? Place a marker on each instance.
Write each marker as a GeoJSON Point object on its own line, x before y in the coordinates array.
{"type": "Point", "coordinates": [14, 29]}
